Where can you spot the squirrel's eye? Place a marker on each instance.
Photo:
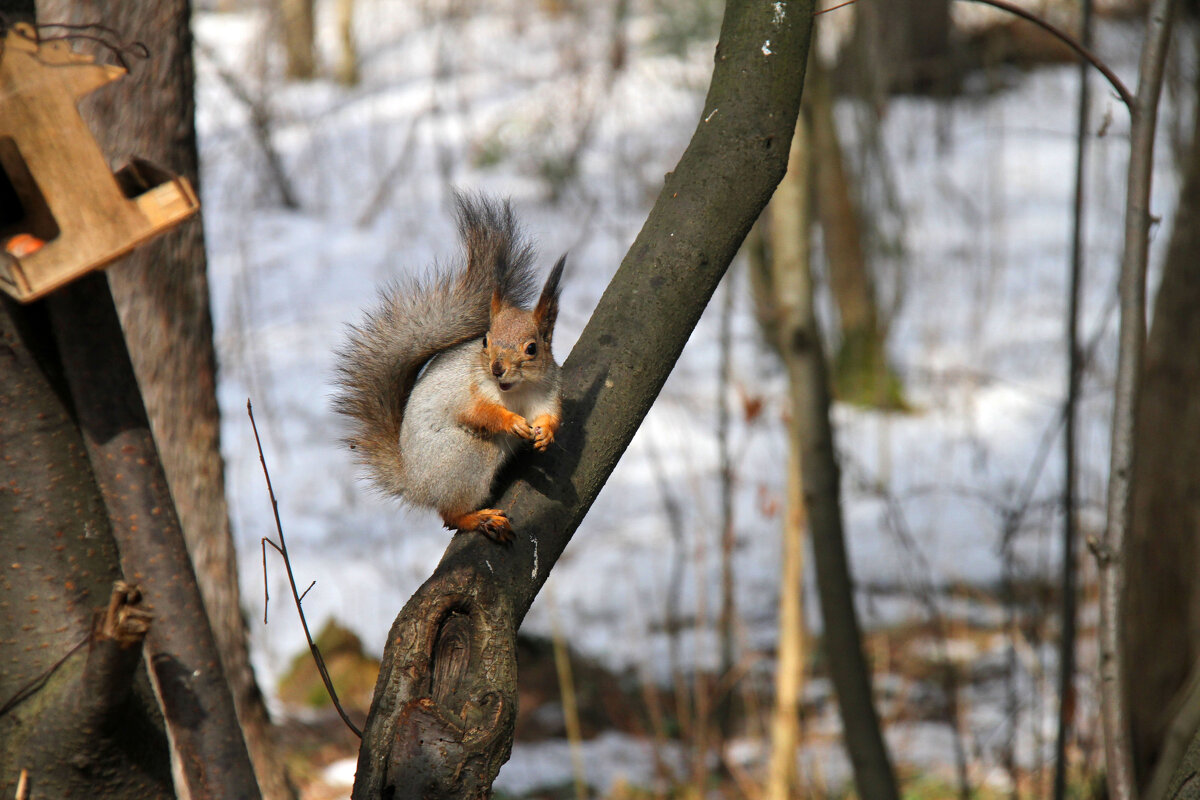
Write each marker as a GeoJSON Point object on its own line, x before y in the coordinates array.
{"type": "Point", "coordinates": [485, 342]}
{"type": "Point", "coordinates": [531, 349]}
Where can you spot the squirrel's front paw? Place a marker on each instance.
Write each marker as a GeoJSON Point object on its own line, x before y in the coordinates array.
{"type": "Point", "coordinates": [544, 428]}
{"type": "Point", "coordinates": [519, 426]}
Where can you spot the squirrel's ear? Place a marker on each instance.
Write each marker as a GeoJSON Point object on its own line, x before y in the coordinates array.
{"type": "Point", "coordinates": [500, 272]}
{"type": "Point", "coordinates": [546, 311]}
{"type": "Point", "coordinates": [497, 302]}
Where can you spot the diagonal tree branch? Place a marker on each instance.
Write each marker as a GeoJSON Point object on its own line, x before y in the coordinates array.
{"type": "Point", "coordinates": [442, 719]}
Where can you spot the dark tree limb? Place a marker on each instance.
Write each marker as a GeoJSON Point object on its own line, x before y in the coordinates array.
{"type": "Point", "coordinates": [1080, 48]}
{"type": "Point", "coordinates": [83, 734]}
{"type": "Point", "coordinates": [161, 292]}
{"type": "Point", "coordinates": [182, 654]}
{"type": "Point", "coordinates": [735, 159]}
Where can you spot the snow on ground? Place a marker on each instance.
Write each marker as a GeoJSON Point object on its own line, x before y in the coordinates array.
{"type": "Point", "coordinates": [497, 98]}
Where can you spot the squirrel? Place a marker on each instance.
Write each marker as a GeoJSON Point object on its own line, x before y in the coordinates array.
{"type": "Point", "coordinates": [445, 378]}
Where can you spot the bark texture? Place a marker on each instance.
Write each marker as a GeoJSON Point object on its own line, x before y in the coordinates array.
{"type": "Point", "coordinates": [1162, 623]}
{"type": "Point", "coordinates": [75, 734]}
{"type": "Point", "coordinates": [209, 754]}
{"type": "Point", "coordinates": [724, 179]}
{"type": "Point", "coordinates": [162, 295]}
{"type": "Point", "coordinates": [1114, 710]}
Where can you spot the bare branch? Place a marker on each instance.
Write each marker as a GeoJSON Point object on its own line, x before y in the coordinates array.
{"type": "Point", "coordinates": [1118, 86]}
{"type": "Point", "coordinates": [1066, 659]}
{"type": "Point", "coordinates": [287, 563]}
{"type": "Point", "coordinates": [1058, 33]}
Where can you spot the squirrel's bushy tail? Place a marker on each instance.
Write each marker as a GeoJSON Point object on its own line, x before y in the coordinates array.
{"type": "Point", "coordinates": [415, 319]}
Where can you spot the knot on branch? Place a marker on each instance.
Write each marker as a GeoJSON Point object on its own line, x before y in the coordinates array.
{"type": "Point", "coordinates": [454, 655]}
{"type": "Point", "coordinates": [125, 621]}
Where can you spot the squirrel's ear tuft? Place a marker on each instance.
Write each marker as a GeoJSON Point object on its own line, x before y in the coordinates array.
{"type": "Point", "coordinates": [546, 311]}
{"type": "Point", "coordinates": [497, 302]}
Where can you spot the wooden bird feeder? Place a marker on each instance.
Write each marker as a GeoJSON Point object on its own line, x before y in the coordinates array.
{"type": "Point", "coordinates": [63, 212]}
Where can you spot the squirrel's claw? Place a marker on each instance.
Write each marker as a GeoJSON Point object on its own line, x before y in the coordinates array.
{"type": "Point", "coordinates": [520, 427]}
{"type": "Point", "coordinates": [491, 522]}
{"type": "Point", "coordinates": [496, 526]}
{"type": "Point", "coordinates": [544, 428]}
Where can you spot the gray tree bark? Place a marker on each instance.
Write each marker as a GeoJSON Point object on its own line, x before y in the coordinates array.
{"type": "Point", "coordinates": [71, 345]}
{"type": "Point", "coordinates": [1143, 111]}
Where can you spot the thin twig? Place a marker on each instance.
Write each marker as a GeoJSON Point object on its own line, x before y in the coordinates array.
{"type": "Point", "coordinates": [287, 563]}
{"type": "Point", "coordinates": [27, 690]}
{"type": "Point", "coordinates": [266, 593]}
{"type": "Point", "coordinates": [1055, 31]}
{"type": "Point", "coordinates": [261, 122]}
{"type": "Point", "coordinates": [1070, 41]}
{"type": "Point", "coordinates": [1066, 658]}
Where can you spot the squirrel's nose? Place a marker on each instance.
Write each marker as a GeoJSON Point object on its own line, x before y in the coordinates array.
{"type": "Point", "coordinates": [497, 368]}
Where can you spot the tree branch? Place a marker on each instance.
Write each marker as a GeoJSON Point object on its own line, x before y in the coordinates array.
{"type": "Point", "coordinates": [1066, 658]}
{"type": "Point", "coordinates": [1131, 342]}
{"type": "Point", "coordinates": [298, 598]}
{"type": "Point", "coordinates": [1070, 41]}
{"type": "Point", "coordinates": [734, 161]}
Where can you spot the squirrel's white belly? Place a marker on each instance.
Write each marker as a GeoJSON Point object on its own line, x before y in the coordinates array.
{"type": "Point", "coordinates": [447, 466]}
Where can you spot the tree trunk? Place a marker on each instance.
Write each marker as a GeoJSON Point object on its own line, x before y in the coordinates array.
{"type": "Point", "coordinates": [861, 372]}
{"type": "Point", "coordinates": [1114, 708]}
{"type": "Point", "coordinates": [347, 70]}
{"type": "Point", "coordinates": [904, 45]}
{"type": "Point", "coordinates": [161, 292]}
{"type": "Point", "coordinates": [780, 282]}
{"type": "Point", "coordinates": [799, 343]}
{"type": "Point", "coordinates": [60, 566]}
{"type": "Point", "coordinates": [297, 22]}
{"type": "Point", "coordinates": [441, 721]}
{"type": "Point", "coordinates": [1162, 623]}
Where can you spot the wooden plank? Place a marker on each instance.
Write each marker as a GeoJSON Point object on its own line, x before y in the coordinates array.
{"type": "Point", "coordinates": [71, 198]}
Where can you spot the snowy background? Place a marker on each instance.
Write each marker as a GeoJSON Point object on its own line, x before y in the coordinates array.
{"type": "Point", "coordinates": [498, 97]}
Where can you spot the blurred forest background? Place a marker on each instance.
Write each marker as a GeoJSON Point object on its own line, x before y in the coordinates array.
{"type": "Point", "coordinates": [953, 169]}
{"type": "Point", "coordinates": [937, 208]}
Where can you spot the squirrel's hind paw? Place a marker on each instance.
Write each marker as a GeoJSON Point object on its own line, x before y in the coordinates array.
{"type": "Point", "coordinates": [491, 522]}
